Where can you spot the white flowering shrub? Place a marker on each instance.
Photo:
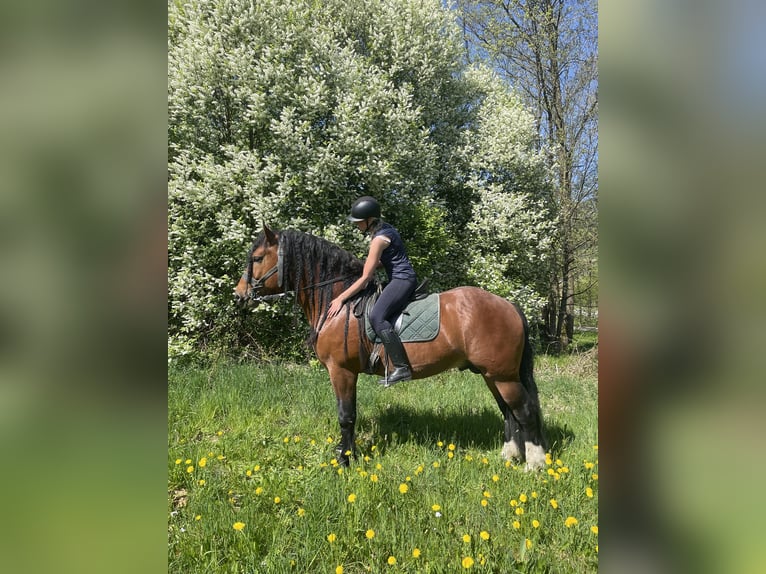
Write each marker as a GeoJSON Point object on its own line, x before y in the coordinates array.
{"type": "Point", "coordinates": [285, 111]}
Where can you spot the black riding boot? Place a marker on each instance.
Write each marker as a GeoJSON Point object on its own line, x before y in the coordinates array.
{"type": "Point", "coordinates": [395, 351]}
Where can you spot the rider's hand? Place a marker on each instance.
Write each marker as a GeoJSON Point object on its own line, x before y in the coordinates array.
{"type": "Point", "coordinates": [335, 307]}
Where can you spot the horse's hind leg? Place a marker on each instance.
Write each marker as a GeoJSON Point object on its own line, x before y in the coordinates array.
{"type": "Point", "coordinates": [523, 423]}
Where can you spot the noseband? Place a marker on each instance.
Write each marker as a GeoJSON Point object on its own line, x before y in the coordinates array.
{"type": "Point", "coordinates": [258, 284]}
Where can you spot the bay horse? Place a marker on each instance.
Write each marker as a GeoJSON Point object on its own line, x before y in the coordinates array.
{"type": "Point", "coordinates": [478, 331]}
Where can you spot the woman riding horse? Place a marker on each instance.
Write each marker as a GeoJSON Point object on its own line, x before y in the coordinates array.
{"type": "Point", "coordinates": [386, 247]}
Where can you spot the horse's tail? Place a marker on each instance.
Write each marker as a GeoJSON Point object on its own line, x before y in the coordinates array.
{"type": "Point", "coordinates": [527, 372]}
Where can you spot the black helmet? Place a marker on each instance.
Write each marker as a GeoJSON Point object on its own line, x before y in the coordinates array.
{"type": "Point", "coordinates": [363, 208]}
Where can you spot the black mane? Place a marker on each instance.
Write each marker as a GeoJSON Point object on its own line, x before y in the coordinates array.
{"type": "Point", "coordinates": [311, 263]}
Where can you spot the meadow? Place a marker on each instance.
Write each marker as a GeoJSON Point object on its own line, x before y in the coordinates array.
{"type": "Point", "coordinates": [253, 484]}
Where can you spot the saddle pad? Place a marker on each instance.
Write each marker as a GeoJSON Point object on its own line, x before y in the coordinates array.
{"type": "Point", "coordinates": [418, 323]}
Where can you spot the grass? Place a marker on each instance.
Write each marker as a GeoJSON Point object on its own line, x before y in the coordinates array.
{"type": "Point", "coordinates": [254, 486]}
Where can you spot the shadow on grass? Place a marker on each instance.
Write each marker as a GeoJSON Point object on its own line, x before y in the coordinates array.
{"type": "Point", "coordinates": [482, 430]}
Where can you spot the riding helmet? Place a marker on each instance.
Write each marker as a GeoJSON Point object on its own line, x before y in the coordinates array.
{"type": "Point", "coordinates": [363, 208]}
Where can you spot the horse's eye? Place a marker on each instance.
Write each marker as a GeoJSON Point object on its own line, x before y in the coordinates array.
{"type": "Point", "coordinates": [257, 259]}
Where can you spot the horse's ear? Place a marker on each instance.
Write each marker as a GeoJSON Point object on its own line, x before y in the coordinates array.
{"type": "Point", "coordinates": [271, 239]}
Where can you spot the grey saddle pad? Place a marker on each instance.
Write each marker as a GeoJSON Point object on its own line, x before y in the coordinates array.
{"type": "Point", "coordinates": [418, 323]}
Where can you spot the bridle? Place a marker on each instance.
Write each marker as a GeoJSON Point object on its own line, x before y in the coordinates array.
{"type": "Point", "coordinates": [258, 284]}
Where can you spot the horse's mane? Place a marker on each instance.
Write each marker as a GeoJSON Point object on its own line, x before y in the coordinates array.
{"type": "Point", "coordinates": [311, 262]}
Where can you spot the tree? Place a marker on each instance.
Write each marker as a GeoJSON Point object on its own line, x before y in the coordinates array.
{"type": "Point", "coordinates": [546, 49]}
{"type": "Point", "coordinates": [285, 111]}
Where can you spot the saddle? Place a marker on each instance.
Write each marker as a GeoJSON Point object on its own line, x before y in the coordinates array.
{"type": "Point", "coordinates": [419, 322]}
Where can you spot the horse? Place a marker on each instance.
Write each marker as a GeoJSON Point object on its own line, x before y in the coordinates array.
{"type": "Point", "coordinates": [478, 330]}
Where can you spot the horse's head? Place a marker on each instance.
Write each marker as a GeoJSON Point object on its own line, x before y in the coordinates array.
{"type": "Point", "coordinates": [263, 274]}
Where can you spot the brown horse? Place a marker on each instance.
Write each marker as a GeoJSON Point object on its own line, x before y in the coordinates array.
{"type": "Point", "coordinates": [478, 331]}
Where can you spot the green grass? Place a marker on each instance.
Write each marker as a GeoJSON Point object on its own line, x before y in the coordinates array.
{"type": "Point", "coordinates": [267, 435]}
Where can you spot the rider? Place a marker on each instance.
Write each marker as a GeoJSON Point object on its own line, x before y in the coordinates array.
{"type": "Point", "coordinates": [386, 247]}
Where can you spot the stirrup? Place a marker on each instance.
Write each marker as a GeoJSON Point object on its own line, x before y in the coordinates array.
{"type": "Point", "coordinates": [404, 374]}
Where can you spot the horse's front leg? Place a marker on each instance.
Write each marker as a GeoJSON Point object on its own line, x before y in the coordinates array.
{"type": "Point", "coordinates": [344, 384]}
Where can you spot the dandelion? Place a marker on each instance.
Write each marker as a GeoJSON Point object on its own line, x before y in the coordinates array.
{"type": "Point", "coordinates": [391, 560]}
{"type": "Point", "coordinates": [416, 552]}
{"type": "Point", "coordinates": [594, 529]}
{"type": "Point", "coordinates": [239, 526]}
{"type": "Point", "coordinates": [201, 482]}
{"type": "Point", "coordinates": [554, 504]}
{"type": "Point", "coordinates": [484, 535]}
{"type": "Point", "coordinates": [450, 455]}
{"type": "Point", "coordinates": [484, 460]}
{"type": "Point", "coordinates": [199, 517]}
{"type": "Point", "coordinates": [495, 478]}
{"type": "Point", "coordinates": [440, 444]}
{"type": "Point", "coordinates": [466, 538]}
{"type": "Point", "coordinates": [535, 524]}
{"type": "Point", "coordinates": [220, 457]}
{"type": "Point", "coordinates": [189, 469]}
{"type": "Point", "coordinates": [589, 492]}
{"type": "Point", "coordinates": [589, 465]}
{"type": "Point", "coordinates": [519, 511]}
{"type": "Point", "coordinates": [339, 570]}
{"type": "Point", "coordinates": [514, 503]}
{"type": "Point", "coordinates": [570, 521]}
{"type": "Point", "coordinates": [523, 497]}
{"type": "Point", "coordinates": [178, 461]}
{"type": "Point", "coordinates": [373, 478]}
{"type": "Point", "coordinates": [219, 433]}
{"type": "Point", "coordinates": [451, 446]}
{"type": "Point", "coordinates": [487, 494]}
{"type": "Point", "coordinates": [202, 462]}
{"type": "Point", "coordinates": [528, 543]}
{"type": "Point", "coordinates": [467, 562]}
{"type": "Point", "coordinates": [436, 464]}
{"type": "Point", "coordinates": [516, 524]}
{"type": "Point", "coordinates": [594, 476]}
{"type": "Point", "coordinates": [378, 466]}
{"type": "Point", "coordinates": [352, 498]}
{"type": "Point", "coordinates": [277, 500]}
{"type": "Point", "coordinates": [533, 494]}
{"type": "Point", "coordinates": [331, 537]}
{"type": "Point", "coordinates": [286, 439]}
{"type": "Point", "coordinates": [301, 512]}
{"type": "Point", "coordinates": [328, 440]}
{"type": "Point", "coordinates": [548, 459]}
{"type": "Point", "coordinates": [188, 461]}
{"type": "Point", "coordinates": [259, 491]}
{"type": "Point", "coordinates": [249, 473]}
{"type": "Point", "coordinates": [436, 507]}
{"type": "Point", "coordinates": [419, 469]}
{"type": "Point", "coordinates": [403, 488]}
{"type": "Point", "coordinates": [484, 502]}
{"type": "Point", "coordinates": [370, 534]}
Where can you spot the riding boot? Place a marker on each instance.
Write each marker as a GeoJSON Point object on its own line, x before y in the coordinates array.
{"type": "Point", "coordinates": [395, 351]}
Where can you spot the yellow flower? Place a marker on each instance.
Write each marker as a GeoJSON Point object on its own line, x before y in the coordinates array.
{"type": "Point", "coordinates": [202, 462]}
{"type": "Point", "coordinates": [484, 502]}
{"type": "Point", "coordinates": [467, 562]}
{"type": "Point", "coordinates": [239, 526]}
{"type": "Point", "coordinates": [548, 459]}
{"type": "Point", "coordinates": [523, 498]}
{"type": "Point", "coordinates": [370, 534]}
{"type": "Point", "coordinates": [391, 560]}
{"type": "Point", "coordinates": [277, 500]}
{"type": "Point", "coordinates": [534, 494]}
{"type": "Point", "coordinates": [188, 461]}
{"type": "Point", "coordinates": [301, 512]}
{"type": "Point", "coordinates": [189, 469]}
{"type": "Point", "coordinates": [352, 498]}
{"type": "Point", "coordinates": [589, 492]}
{"type": "Point", "coordinates": [259, 491]}
{"type": "Point", "coordinates": [589, 465]}
{"type": "Point", "coordinates": [484, 535]}
{"type": "Point", "coordinates": [594, 529]}
{"type": "Point", "coordinates": [201, 482]}
{"type": "Point", "coordinates": [528, 543]}
{"type": "Point", "coordinates": [487, 494]}
{"type": "Point", "coordinates": [436, 508]}
{"type": "Point", "coordinates": [286, 439]}
{"type": "Point", "coordinates": [451, 446]}
{"type": "Point", "coordinates": [219, 433]}
{"type": "Point", "coordinates": [495, 478]}
{"type": "Point", "coordinates": [378, 466]}
{"type": "Point", "coordinates": [436, 464]}
{"type": "Point", "coordinates": [403, 488]}
{"type": "Point", "coordinates": [178, 461]}
{"type": "Point", "coordinates": [466, 538]}
{"type": "Point", "coordinates": [514, 503]}
{"type": "Point", "coordinates": [440, 444]}
{"type": "Point", "coordinates": [594, 476]}
{"type": "Point", "coordinates": [554, 504]}
{"type": "Point", "coordinates": [249, 473]}
{"type": "Point", "coordinates": [535, 524]}
{"type": "Point", "coordinates": [331, 537]}
{"type": "Point", "coordinates": [339, 570]}
{"type": "Point", "coordinates": [519, 511]}
{"type": "Point", "coordinates": [450, 454]}
{"type": "Point", "coordinates": [374, 478]}
{"type": "Point", "coordinates": [516, 524]}
{"type": "Point", "coordinates": [570, 521]}
{"type": "Point", "coordinates": [198, 517]}
{"type": "Point", "coordinates": [416, 552]}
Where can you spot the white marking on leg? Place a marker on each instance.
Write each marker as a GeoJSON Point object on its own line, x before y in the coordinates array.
{"type": "Point", "coordinates": [535, 456]}
{"type": "Point", "coordinates": [510, 450]}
